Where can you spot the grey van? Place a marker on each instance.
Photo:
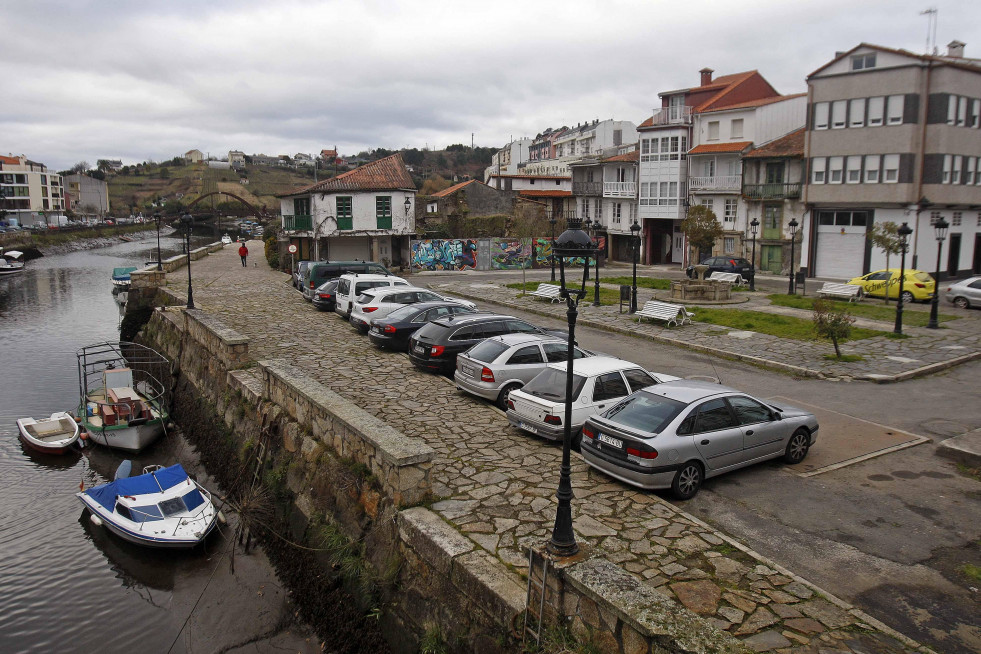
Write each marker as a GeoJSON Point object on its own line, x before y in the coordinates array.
{"type": "Point", "coordinates": [323, 271]}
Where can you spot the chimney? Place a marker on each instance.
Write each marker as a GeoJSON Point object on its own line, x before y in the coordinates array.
{"type": "Point", "coordinates": [955, 49]}
{"type": "Point", "coordinates": [706, 76]}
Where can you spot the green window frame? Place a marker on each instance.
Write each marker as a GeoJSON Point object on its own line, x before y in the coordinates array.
{"type": "Point", "coordinates": [383, 211]}
{"type": "Point", "coordinates": [345, 212]}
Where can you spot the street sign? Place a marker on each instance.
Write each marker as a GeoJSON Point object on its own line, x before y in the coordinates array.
{"type": "Point", "coordinates": [292, 249]}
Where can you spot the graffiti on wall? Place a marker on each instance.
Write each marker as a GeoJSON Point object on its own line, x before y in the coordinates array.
{"type": "Point", "coordinates": [445, 254]}
{"type": "Point", "coordinates": [510, 254]}
{"type": "Point", "coordinates": [543, 253]}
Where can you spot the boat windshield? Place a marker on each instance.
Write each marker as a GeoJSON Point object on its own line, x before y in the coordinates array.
{"type": "Point", "coordinates": [147, 513]}
{"type": "Point", "coordinates": [193, 499]}
{"type": "Point", "coordinates": [172, 507]}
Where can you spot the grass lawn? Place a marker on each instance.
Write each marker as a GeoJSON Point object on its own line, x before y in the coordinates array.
{"type": "Point", "coordinates": [871, 310]}
{"type": "Point", "coordinates": [768, 323]}
{"type": "Point", "coordinates": [642, 282]}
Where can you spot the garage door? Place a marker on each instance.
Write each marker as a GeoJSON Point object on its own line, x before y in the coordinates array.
{"type": "Point", "coordinates": [349, 248]}
{"type": "Point", "coordinates": [840, 244]}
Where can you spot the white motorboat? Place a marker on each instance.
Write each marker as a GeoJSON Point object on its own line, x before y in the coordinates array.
{"type": "Point", "coordinates": [10, 262]}
{"type": "Point", "coordinates": [123, 398]}
{"type": "Point", "coordinates": [54, 435]}
{"type": "Point", "coordinates": [163, 507]}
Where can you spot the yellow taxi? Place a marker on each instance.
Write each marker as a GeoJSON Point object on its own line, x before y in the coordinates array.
{"type": "Point", "coordinates": [917, 286]}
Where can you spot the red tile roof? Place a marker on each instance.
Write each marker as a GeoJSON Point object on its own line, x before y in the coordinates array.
{"type": "Point", "coordinates": [453, 189]}
{"type": "Point", "coordinates": [791, 145]}
{"type": "Point", "coordinates": [727, 87]}
{"type": "Point", "coordinates": [718, 148]}
{"type": "Point", "coordinates": [531, 176]}
{"type": "Point", "coordinates": [755, 103]}
{"type": "Point", "coordinates": [386, 174]}
{"type": "Point", "coordinates": [629, 157]}
{"type": "Point", "coordinates": [9, 160]}
{"type": "Point", "coordinates": [546, 194]}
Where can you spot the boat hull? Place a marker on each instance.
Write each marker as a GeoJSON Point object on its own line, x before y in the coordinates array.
{"type": "Point", "coordinates": [62, 443]}
{"type": "Point", "coordinates": [126, 438]}
{"type": "Point", "coordinates": [138, 539]}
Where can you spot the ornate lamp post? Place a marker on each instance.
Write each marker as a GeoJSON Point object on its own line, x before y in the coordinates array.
{"type": "Point", "coordinates": [156, 219]}
{"type": "Point", "coordinates": [793, 235]}
{"type": "Point", "coordinates": [940, 230]}
{"type": "Point", "coordinates": [904, 232]}
{"type": "Point", "coordinates": [754, 226]}
{"type": "Point", "coordinates": [635, 244]}
{"type": "Point", "coordinates": [188, 222]}
{"type": "Point", "coordinates": [573, 242]}
{"type": "Point", "coordinates": [552, 221]}
{"type": "Point", "coordinates": [593, 228]}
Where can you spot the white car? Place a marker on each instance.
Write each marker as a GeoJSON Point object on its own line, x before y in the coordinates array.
{"type": "Point", "coordinates": [226, 240]}
{"type": "Point", "coordinates": [351, 285]}
{"type": "Point", "coordinates": [598, 383]}
{"type": "Point", "coordinates": [380, 301]}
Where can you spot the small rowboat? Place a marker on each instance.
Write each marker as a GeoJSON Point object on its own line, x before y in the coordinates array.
{"type": "Point", "coordinates": [52, 435]}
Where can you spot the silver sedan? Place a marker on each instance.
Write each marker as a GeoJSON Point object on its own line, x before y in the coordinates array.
{"type": "Point", "coordinates": [496, 366]}
{"type": "Point", "coordinates": [677, 434]}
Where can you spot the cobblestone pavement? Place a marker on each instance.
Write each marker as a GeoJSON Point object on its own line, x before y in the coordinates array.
{"type": "Point", "coordinates": [497, 485]}
{"type": "Point", "coordinates": [883, 358]}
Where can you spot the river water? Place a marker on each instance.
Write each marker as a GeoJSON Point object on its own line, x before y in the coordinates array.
{"type": "Point", "coordinates": [66, 585]}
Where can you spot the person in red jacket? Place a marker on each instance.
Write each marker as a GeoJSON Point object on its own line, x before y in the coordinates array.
{"type": "Point", "coordinates": [244, 253]}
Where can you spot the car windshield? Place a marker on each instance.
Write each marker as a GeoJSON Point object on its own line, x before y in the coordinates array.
{"type": "Point", "coordinates": [550, 384]}
{"type": "Point", "coordinates": [645, 412]}
{"type": "Point", "coordinates": [403, 313]}
{"type": "Point", "coordinates": [486, 351]}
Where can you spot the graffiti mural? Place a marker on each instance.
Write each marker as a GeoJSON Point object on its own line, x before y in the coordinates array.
{"type": "Point", "coordinates": [510, 254]}
{"type": "Point", "coordinates": [445, 254]}
{"type": "Point", "coordinates": [543, 253]}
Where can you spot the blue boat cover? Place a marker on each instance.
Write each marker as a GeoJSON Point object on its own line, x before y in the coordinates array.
{"type": "Point", "coordinates": [122, 274]}
{"type": "Point", "coordinates": [106, 494]}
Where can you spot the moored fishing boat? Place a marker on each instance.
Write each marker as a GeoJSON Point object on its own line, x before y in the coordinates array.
{"type": "Point", "coordinates": [123, 399]}
{"type": "Point", "coordinates": [121, 279]}
{"type": "Point", "coordinates": [163, 507]}
{"type": "Point", "coordinates": [54, 435]}
{"type": "Point", "coordinates": [10, 262]}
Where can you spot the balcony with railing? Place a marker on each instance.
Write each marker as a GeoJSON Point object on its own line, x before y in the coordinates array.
{"type": "Point", "coordinates": [619, 189]}
{"type": "Point", "coordinates": [673, 116]}
{"type": "Point", "coordinates": [720, 183]}
{"type": "Point", "coordinates": [587, 188]}
{"type": "Point", "coordinates": [776, 191]}
{"type": "Point", "coordinates": [297, 223]}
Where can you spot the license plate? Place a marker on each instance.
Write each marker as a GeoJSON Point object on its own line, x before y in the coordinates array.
{"type": "Point", "coordinates": [418, 349]}
{"type": "Point", "coordinates": [609, 440]}
{"type": "Point", "coordinates": [527, 427]}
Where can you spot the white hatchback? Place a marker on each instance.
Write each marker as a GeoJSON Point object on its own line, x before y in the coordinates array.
{"type": "Point", "coordinates": [598, 383]}
{"type": "Point", "coordinates": [351, 285]}
{"type": "Point", "coordinates": [380, 301]}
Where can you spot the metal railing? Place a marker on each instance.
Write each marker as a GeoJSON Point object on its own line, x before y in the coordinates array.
{"type": "Point", "coordinates": [673, 116]}
{"type": "Point", "coordinates": [619, 189]}
{"type": "Point", "coordinates": [719, 183]}
{"type": "Point", "coordinates": [771, 191]}
{"type": "Point", "coordinates": [297, 223]}
{"type": "Point", "coordinates": [587, 188]}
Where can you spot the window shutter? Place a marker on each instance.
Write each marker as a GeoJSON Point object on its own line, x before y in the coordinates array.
{"type": "Point", "coordinates": [937, 108]}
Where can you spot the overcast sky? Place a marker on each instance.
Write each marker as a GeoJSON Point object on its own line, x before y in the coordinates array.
{"type": "Point", "coordinates": [135, 80]}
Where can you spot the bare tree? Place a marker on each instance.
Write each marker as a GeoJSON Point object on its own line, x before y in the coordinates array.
{"type": "Point", "coordinates": [885, 236]}
{"type": "Point", "coordinates": [702, 228]}
{"type": "Point", "coordinates": [80, 168]}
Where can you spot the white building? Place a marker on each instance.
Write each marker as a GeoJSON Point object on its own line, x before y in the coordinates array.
{"type": "Point", "coordinates": [30, 194]}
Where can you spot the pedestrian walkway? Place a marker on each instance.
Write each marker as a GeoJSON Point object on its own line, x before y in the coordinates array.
{"type": "Point", "coordinates": [496, 485]}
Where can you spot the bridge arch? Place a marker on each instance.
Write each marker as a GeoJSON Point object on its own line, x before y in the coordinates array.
{"type": "Point", "coordinates": [256, 212]}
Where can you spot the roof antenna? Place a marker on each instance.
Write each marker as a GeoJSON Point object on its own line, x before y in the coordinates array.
{"type": "Point", "coordinates": [931, 40]}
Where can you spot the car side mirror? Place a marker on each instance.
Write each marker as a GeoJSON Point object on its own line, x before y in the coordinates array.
{"type": "Point", "coordinates": [775, 415]}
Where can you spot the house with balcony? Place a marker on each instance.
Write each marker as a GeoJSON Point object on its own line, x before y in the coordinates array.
{"type": "Point", "coordinates": [605, 192]}
{"type": "Point", "coordinates": [29, 193]}
{"type": "Point", "coordinates": [665, 140]}
{"type": "Point", "coordinates": [893, 136]}
{"type": "Point", "coordinates": [772, 178]}
{"type": "Point", "coordinates": [366, 213]}
{"type": "Point", "coordinates": [236, 158]}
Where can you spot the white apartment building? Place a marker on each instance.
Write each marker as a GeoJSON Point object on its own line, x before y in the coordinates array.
{"type": "Point", "coordinates": [506, 160]}
{"type": "Point", "coordinates": [29, 193]}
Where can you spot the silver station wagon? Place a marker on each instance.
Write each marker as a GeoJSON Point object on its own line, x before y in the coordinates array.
{"type": "Point", "coordinates": [494, 367]}
{"type": "Point", "coordinates": [676, 435]}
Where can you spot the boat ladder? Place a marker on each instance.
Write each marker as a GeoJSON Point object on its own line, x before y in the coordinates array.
{"type": "Point", "coordinates": [533, 587]}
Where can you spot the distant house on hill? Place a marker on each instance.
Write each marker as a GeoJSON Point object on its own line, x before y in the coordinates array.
{"type": "Point", "coordinates": [236, 158]}
{"type": "Point", "coordinates": [264, 160]}
{"type": "Point", "coordinates": [193, 156]}
{"type": "Point", "coordinates": [302, 159]}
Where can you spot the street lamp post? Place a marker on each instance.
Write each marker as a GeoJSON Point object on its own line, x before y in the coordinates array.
{"type": "Point", "coordinates": [940, 229]}
{"type": "Point", "coordinates": [793, 235]}
{"type": "Point", "coordinates": [188, 221]}
{"type": "Point", "coordinates": [573, 242]}
{"type": "Point", "coordinates": [156, 219]}
{"type": "Point", "coordinates": [635, 244]}
{"type": "Point", "coordinates": [754, 226]}
{"type": "Point", "coordinates": [593, 229]}
{"type": "Point", "coordinates": [552, 221]}
{"type": "Point", "coordinates": [904, 232]}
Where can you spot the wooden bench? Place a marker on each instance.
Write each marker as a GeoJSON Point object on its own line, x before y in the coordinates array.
{"type": "Point", "coordinates": [849, 292]}
{"type": "Point", "coordinates": [670, 313]}
{"type": "Point", "coordinates": [548, 291]}
{"type": "Point", "coordinates": [732, 278]}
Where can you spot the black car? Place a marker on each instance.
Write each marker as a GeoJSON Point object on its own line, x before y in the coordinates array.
{"type": "Point", "coordinates": [393, 331]}
{"type": "Point", "coordinates": [435, 346]}
{"type": "Point", "coordinates": [727, 265]}
{"type": "Point", "coordinates": [324, 297]}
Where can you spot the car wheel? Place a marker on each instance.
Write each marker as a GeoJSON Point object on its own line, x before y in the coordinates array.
{"type": "Point", "coordinates": [961, 303]}
{"type": "Point", "coordinates": [502, 399]}
{"type": "Point", "coordinates": [797, 448]}
{"type": "Point", "coordinates": [687, 481]}
{"type": "Point", "coordinates": [908, 298]}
